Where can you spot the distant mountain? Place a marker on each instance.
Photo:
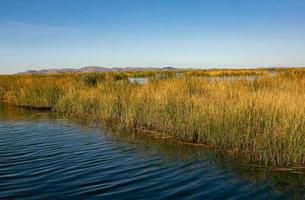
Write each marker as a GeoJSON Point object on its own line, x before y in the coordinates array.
{"type": "Point", "coordinates": [93, 69]}
{"type": "Point", "coordinates": [168, 68]}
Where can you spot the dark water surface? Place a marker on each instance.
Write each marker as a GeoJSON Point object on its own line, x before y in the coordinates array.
{"type": "Point", "coordinates": [46, 156]}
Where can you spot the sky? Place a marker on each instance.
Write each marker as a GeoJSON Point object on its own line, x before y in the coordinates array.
{"type": "Point", "coordinates": [39, 34]}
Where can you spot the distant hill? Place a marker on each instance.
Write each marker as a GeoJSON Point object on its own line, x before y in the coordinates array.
{"type": "Point", "coordinates": [92, 69]}
{"type": "Point", "coordinates": [168, 68]}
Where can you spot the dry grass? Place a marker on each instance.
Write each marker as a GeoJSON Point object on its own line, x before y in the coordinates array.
{"type": "Point", "coordinates": [261, 121]}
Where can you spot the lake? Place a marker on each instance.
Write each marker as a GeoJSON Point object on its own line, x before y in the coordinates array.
{"type": "Point", "coordinates": [44, 155]}
{"type": "Point", "coordinates": [138, 80]}
{"type": "Point", "coordinates": [232, 78]}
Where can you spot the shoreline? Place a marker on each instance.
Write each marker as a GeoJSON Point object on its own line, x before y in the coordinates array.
{"type": "Point", "coordinates": [260, 121]}
{"type": "Point", "coordinates": [166, 136]}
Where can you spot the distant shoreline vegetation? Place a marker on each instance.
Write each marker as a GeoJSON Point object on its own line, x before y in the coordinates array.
{"type": "Point", "coordinates": [260, 119]}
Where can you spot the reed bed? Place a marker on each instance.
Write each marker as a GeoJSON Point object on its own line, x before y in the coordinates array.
{"type": "Point", "coordinates": [261, 121]}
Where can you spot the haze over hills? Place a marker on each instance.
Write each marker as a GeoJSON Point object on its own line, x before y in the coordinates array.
{"type": "Point", "coordinates": [94, 69]}
{"type": "Point", "coordinates": [90, 69]}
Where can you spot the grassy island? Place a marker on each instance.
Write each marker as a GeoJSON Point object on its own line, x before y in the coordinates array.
{"type": "Point", "coordinates": [261, 120]}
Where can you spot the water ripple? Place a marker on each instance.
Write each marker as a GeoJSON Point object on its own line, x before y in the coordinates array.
{"type": "Point", "coordinates": [50, 158]}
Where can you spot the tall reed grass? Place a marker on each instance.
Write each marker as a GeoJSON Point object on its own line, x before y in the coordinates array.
{"type": "Point", "coordinates": [261, 121]}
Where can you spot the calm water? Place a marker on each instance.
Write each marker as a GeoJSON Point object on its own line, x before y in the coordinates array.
{"type": "Point", "coordinates": [138, 80]}
{"type": "Point", "coordinates": [46, 156]}
{"type": "Point", "coordinates": [232, 78]}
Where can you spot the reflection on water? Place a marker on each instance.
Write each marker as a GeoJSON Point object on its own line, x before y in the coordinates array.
{"type": "Point", "coordinates": [46, 155]}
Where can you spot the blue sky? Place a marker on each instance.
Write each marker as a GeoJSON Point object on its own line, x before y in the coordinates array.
{"type": "Point", "coordinates": [37, 34]}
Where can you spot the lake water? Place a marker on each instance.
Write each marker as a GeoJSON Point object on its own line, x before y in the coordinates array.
{"type": "Point", "coordinates": [232, 78]}
{"type": "Point", "coordinates": [144, 80]}
{"type": "Point", "coordinates": [47, 156]}
{"type": "Point", "coordinates": [138, 80]}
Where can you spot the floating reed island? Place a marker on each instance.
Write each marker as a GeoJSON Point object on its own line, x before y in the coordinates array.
{"type": "Point", "coordinates": [260, 120]}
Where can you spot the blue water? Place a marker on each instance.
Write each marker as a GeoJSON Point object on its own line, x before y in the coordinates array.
{"type": "Point", "coordinates": [138, 80]}
{"type": "Point", "coordinates": [47, 156]}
